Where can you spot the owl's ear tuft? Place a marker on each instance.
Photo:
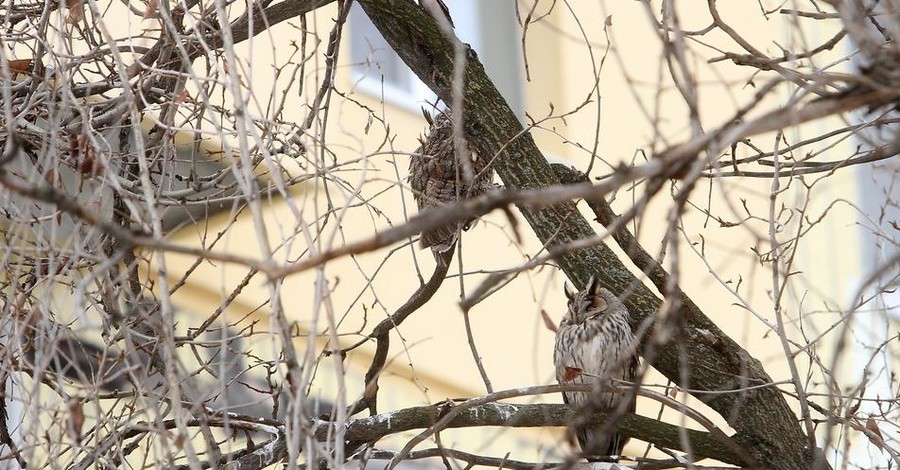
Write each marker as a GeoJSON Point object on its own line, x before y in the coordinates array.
{"type": "Point", "coordinates": [428, 117]}
{"type": "Point", "coordinates": [593, 285]}
{"type": "Point", "coordinates": [570, 292]}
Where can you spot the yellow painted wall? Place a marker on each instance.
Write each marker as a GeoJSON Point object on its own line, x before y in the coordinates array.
{"type": "Point", "coordinates": [515, 346]}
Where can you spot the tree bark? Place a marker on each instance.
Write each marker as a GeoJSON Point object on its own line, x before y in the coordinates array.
{"type": "Point", "coordinates": [374, 428]}
{"type": "Point", "coordinates": [764, 422]}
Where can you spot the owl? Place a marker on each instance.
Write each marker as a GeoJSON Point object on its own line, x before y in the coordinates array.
{"type": "Point", "coordinates": [436, 178]}
{"type": "Point", "coordinates": [594, 343]}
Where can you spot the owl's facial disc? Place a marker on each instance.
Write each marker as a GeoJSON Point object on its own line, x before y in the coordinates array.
{"type": "Point", "coordinates": [599, 304]}
{"type": "Point", "coordinates": [597, 308]}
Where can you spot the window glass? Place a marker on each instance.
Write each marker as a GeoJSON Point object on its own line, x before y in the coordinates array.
{"type": "Point", "coordinates": [372, 56]}
{"type": "Point", "coordinates": [488, 27]}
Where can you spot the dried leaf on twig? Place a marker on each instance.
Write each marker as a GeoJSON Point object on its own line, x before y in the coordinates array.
{"type": "Point", "coordinates": [76, 11]}
{"type": "Point", "coordinates": [877, 438]}
{"type": "Point", "coordinates": [21, 65]}
{"type": "Point", "coordinates": [548, 322]}
{"type": "Point", "coordinates": [76, 418]}
{"type": "Point", "coordinates": [571, 374]}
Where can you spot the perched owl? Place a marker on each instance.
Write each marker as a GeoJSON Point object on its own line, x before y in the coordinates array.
{"type": "Point", "coordinates": [435, 181]}
{"type": "Point", "coordinates": [593, 345]}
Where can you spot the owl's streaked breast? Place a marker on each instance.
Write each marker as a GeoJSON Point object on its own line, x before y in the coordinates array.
{"type": "Point", "coordinates": [594, 346]}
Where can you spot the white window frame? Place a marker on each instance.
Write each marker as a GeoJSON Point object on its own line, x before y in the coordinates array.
{"type": "Point", "coordinates": [368, 79]}
{"type": "Point", "coordinates": [872, 326]}
{"type": "Point", "coordinates": [474, 20]}
{"type": "Point", "coordinates": [412, 100]}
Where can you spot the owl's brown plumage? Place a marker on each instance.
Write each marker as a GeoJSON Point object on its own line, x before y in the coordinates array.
{"type": "Point", "coordinates": [435, 181]}
{"type": "Point", "coordinates": [594, 345]}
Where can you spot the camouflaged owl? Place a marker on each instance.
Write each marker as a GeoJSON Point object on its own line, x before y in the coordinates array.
{"type": "Point", "coordinates": [436, 178]}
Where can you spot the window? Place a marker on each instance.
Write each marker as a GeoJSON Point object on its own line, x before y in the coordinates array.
{"type": "Point", "coordinates": [881, 244]}
{"type": "Point", "coordinates": [879, 197]}
{"type": "Point", "coordinates": [376, 67]}
{"type": "Point", "coordinates": [489, 27]}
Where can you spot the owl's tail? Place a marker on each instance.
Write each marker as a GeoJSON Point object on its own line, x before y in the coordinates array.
{"type": "Point", "coordinates": [601, 447]}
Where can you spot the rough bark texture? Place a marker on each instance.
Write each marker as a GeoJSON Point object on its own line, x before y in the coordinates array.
{"type": "Point", "coordinates": [765, 424]}
{"type": "Point", "coordinates": [374, 428]}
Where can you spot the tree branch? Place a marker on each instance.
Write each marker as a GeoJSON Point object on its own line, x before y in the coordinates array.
{"type": "Point", "coordinates": [373, 428]}
{"type": "Point", "coordinates": [762, 417]}
{"type": "Point", "coordinates": [487, 412]}
{"type": "Point", "coordinates": [381, 332]}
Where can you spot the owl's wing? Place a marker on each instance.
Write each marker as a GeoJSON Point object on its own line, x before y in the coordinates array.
{"type": "Point", "coordinates": [440, 239]}
{"type": "Point", "coordinates": [566, 398]}
{"type": "Point", "coordinates": [439, 189]}
{"type": "Point", "coordinates": [563, 362]}
{"type": "Point", "coordinates": [616, 444]}
{"type": "Point", "coordinates": [418, 175]}
{"type": "Point", "coordinates": [631, 375]}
